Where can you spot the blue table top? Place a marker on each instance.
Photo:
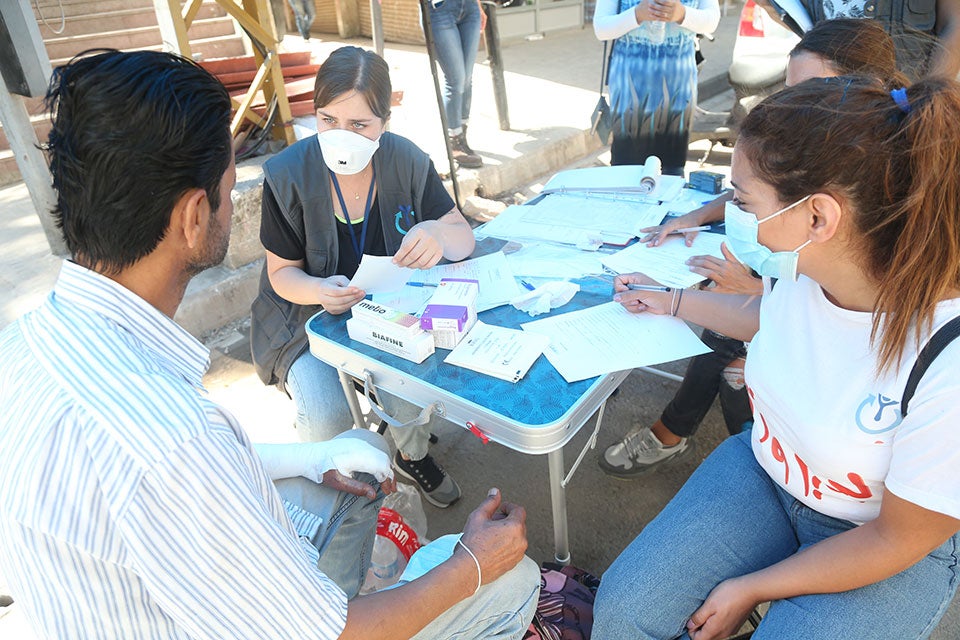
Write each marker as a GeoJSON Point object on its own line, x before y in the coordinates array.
{"type": "Point", "coordinates": [542, 397]}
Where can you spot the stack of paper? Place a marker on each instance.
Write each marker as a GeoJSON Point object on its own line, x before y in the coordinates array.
{"type": "Point", "coordinates": [497, 351]}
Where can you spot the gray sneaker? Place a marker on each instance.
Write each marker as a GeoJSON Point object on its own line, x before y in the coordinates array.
{"type": "Point", "coordinates": [437, 487]}
{"type": "Point", "coordinates": [640, 452]}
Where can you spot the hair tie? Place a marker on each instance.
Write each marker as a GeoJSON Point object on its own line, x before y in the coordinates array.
{"type": "Point", "coordinates": [900, 98]}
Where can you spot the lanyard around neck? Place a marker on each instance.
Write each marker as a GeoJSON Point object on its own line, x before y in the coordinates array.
{"type": "Point", "coordinates": [357, 247]}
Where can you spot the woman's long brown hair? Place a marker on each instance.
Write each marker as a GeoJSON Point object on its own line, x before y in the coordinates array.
{"type": "Point", "coordinates": [895, 168]}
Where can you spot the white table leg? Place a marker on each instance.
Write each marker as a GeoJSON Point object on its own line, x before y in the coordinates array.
{"type": "Point", "coordinates": [558, 500]}
{"type": "Point", "coordinates": [350, 392]}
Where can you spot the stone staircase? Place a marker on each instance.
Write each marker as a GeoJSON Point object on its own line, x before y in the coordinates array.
{"type": "Point", "coordinates": [115, 24]}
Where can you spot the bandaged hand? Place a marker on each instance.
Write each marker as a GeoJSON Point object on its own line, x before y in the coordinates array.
{"type": "Point", "coordinates": [312, 459]}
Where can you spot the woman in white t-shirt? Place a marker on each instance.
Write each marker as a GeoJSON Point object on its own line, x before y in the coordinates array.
{"type": "Point", "coordinates": [836, 508]}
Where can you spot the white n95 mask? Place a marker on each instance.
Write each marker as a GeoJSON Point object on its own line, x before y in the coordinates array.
{"type": "Point", "coordinates": [345, 152]}
{"type": "Point", "coordinates": [742, 229]}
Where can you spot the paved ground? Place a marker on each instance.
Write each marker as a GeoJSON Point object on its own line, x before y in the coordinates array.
{"type": "Point", "coordinates": [605, 514]}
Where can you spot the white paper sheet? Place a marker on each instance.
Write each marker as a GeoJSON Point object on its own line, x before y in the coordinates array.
{"type": "Point", "coordinates": [497, 284]}
{"type": "Point", "coordinates": [608, 338]}
{"type": "Point", "coordinates": [378, 274]}
{"type": "Point", "coordinates": [667, 263]}
{"type": "Point", "coordinates": [537, 260]}
{"type": "Point", "coordinates": [497, 351]}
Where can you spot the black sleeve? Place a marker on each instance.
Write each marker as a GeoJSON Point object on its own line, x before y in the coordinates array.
{"type": "Point", "coordinates": [436, 201]}
{"type": "Point", "coordinates": [276, 236]}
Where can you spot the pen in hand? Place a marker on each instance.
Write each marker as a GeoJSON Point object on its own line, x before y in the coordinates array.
{"type": "Point", "coordinates": [688, 229]}
{"type": "Point", "coordinates": [648, 287]}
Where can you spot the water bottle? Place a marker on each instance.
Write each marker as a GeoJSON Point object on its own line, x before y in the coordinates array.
{"type": "Point", "coordinates": [656, 31]}
{"type": "Point", "coordinates": [385, 563]}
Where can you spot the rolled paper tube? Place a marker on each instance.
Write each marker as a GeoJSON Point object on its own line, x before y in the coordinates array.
{"type": "Point", "coordinates": [651, 174]}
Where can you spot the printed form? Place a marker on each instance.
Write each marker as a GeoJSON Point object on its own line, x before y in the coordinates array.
{"type": "Point", "coordinates": [608, 338]}
{"type": "Point", "coordinates": [667, 263]}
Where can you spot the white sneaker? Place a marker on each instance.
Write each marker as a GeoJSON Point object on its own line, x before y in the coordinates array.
{"type": "Point", "coordinates": [639, 452]}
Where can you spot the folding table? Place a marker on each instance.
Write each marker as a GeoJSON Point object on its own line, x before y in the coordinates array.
{"type": "Point", "coordinates": [537, 415]}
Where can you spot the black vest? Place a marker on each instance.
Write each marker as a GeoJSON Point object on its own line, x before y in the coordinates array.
{"type": "Point", "coordinates": [299, 180]}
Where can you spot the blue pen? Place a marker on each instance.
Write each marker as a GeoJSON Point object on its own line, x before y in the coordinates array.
{"type": "Point", "coordinates": [420, 284]}
{"type": "Point", "coordinates": [527, 285]}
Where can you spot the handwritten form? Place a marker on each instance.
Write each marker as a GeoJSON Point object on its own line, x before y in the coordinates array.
{"type": "Point", "coordinates": [575, 219]}
{"type": "Point", "coordinates": [378, 274]}
{"type": "Point", "coordinates": [608, 338]}
{"type": "Point", "coordinates": [667, 263]}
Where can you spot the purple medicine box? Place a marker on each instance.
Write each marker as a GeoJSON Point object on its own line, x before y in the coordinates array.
{"type": "Point", "coordinates": [451, 311]}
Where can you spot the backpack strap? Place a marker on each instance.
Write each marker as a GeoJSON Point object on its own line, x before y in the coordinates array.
{"type": "Point", "coordinates": [938, 342]}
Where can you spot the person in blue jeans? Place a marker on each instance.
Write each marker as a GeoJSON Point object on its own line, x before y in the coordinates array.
{"type": "Point", "coordinates": [456, 33]}
{"type": "Point", "coordinates": [840, 507]}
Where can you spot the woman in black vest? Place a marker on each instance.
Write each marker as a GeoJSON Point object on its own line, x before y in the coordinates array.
{"type": "Point", "coordinates": [354, 189]}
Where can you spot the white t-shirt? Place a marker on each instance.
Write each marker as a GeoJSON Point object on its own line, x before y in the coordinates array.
{"type": "Point", "coordinates": [829, 431]}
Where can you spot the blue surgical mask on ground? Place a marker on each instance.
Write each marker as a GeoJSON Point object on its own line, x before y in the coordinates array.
{"type": "Point", "coordinates": [742, 229]}
{"type": "Point", "coordinates": [345, 152]}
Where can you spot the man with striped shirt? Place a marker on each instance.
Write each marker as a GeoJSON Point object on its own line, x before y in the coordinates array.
{"type": "Point", "coordinates": [131, 506]}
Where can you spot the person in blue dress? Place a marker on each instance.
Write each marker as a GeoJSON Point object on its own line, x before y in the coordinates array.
{"type": "Point", "coordinates": [653, 75]}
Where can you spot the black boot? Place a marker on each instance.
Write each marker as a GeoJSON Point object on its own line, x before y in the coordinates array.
{"type": "Point", "coordinates": [463, 154]}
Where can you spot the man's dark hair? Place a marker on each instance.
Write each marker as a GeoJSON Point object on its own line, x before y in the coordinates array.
{"type": "Point", "coordinates": [132, 132]}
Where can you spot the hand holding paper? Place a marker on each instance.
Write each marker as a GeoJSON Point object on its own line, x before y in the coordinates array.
{"type": "Point", "coordinates": [378, 274]}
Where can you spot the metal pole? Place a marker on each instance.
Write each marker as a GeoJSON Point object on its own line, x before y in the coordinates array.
{"type": "Point", "coordinates": [32, 165]}
{"type": "Point", "coordinates": [376, 25]}
{"type": "Point", "coordinates": [431, 54]}
{"type": "Point", "coordinates": [492, 36]}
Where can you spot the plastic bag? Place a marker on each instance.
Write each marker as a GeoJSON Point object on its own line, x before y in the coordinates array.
{"type": "Point", "coordinates": [401, 530]}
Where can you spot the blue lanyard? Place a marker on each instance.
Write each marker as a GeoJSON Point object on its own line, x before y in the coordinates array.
{"type": "Point", "coordinates": [357, 248]}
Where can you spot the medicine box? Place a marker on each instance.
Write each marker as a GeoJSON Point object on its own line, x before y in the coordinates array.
{"type": "Point", "coordinates": [373, 313]}
{"type": "Point", "coordinates": [416, 347]}
{"type": "Point", "coordinates": [451, 312]}
{"type": "Point", "coordinates": [706, 181]}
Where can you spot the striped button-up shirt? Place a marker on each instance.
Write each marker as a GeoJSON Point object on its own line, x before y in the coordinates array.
{"type": "Point", "coordinates": [131, 506]}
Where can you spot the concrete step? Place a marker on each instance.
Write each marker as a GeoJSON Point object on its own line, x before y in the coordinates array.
{"type": "Point", "coordinates": [137, 38]}
{"type": "Point", "coordinates": [73, 8]}
{"type": "Point", "coordinates": [41, 126]}
{"type": "Point", "coordinates": [206, 49]}
{"type": "Point", "coordinates": [9, 173]}
{"type": "Point", "coordinates": [119, 20]}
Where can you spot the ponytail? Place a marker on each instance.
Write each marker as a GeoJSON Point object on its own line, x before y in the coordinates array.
{"type": "Point", "coordinates": [924, 265]}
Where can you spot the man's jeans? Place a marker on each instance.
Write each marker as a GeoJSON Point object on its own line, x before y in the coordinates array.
{"type": "Point", "coordinates": [345, 540]}
{"type": "Point", "coordinates": [730, 519]}
{"type": "Point", "coordinates": [456, 32]}
{"type": "Point", "coordinates": [499, 610]}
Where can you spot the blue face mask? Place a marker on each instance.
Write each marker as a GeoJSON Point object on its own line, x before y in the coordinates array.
{"type": "Point", "coordinates": [742, 228]}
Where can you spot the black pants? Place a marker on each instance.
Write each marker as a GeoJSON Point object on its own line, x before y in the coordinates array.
{"type": "Point", "coordinates": [670, 147]}
{"type": "Point", "coordinates": [701, 384]}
